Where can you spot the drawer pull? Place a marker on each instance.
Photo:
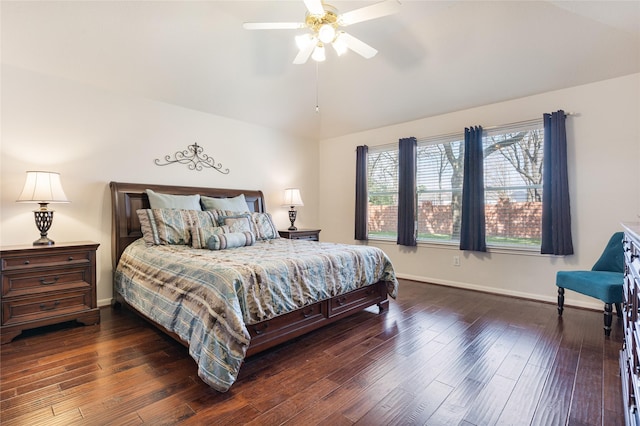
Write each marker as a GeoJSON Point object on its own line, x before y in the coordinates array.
{"type": "Point", "coordinates": [43, 282]}
{"type": "Point", "coordinates": [341, 301]}
{"type": "Point", "coordinates": [44, 307]}
{"type": "Point", "coordinates": [259, 331]}
{"type": "Point", "coordinates": [26, 262]}
{"type": "Point", "coordinates": [634, 256]}
{"type": "Point", "coordinates": [307, 313]}
{"type": "Point", "coordinates": [70, 258]}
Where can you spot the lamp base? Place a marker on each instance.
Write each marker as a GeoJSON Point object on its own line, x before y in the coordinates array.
{"type": "Point", "coordinates": [292, 219]}
{"type": "Point", "coordinates": [43, 241]}
{"type": "Point", "coordinates": [44, 219]}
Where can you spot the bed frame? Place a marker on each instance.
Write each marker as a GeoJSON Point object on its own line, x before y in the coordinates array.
{"type": "Point", "coordinates": [128, 197]}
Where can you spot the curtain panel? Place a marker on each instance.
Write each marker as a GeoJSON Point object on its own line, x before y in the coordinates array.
{"type": "Point", "coordinates": [472, 227]}
{"type": "Point", "coordinates": [407, 157]}
{"type": "Point", "coordinates": [556, 214]}
{"type": "Point", "coordinates": [362, 195]}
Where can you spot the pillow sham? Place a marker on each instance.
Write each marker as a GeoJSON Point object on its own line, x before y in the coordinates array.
{"type": "Point", "coordinates": [230, 240]}
{"type": "Point", "coordinates": [235, 204]}
{"type": "Point", "coordinates": [200, 235]}
{"type": "Point", "coordinates": [158, 200]}
{"type": "Point", "coordinates": [264, 227]}
{"type": "Point", "coordinates": [172, 226]}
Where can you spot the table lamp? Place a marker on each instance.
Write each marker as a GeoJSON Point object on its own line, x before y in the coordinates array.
{"type": "Point", "coordinates": [43, 188]}
{"type": "Point", "coordinates": [292, 198]}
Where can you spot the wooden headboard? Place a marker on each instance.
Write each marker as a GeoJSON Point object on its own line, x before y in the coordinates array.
{"type": "Point", "coordinates": [126, 198]}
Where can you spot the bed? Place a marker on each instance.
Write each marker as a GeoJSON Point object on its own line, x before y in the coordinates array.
{"type": "Point", "coordinates": [213, 301]}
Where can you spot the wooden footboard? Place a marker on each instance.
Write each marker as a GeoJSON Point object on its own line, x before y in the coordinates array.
{"type": "Point", "coordinates": [267, 334]}
{"type": "Point", "coordinates": [270, 333]}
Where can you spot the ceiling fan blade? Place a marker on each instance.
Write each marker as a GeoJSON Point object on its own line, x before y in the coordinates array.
{"type": "Point", "coordinates": [305, 52]}
{"type": "Point", "coordinates": [314, 7]}
{"type": "Point", "coordinates": [358, 46]}
{"type": "Point", "coordinates": [272, 25]}
{"type": "Point", "coordinates": [378, 10]}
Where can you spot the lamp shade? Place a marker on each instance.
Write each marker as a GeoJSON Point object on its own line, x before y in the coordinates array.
{"type": "Point", "coordinates": [42, 187]}
{"type": "Point", "coordinates": [292, 197]}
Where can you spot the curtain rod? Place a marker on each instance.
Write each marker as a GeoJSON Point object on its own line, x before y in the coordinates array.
{"type": "Point", "coordinates": [524, 122]}
{"type": "Point", "coordinates": [461, 133]}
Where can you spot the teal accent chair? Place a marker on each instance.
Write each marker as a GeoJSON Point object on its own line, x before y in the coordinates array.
{"type": "Point", "coordinates": [604, 281]}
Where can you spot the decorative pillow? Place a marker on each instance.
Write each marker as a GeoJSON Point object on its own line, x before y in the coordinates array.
{"type": "Point", "coordinates": [235, 204]}
{"type": "Point", "coordinates": [264, 226]}
{"type": "Point", "coordinates": [231, 240]}
{"type": "Point", "coordinates": [172, 226]}
{"type": "Point", "coordinates": [200, 235]}
{"type": "Point", "coordinates": [237, 223]}
{"type": "Point", "coordinates": [169, 201]}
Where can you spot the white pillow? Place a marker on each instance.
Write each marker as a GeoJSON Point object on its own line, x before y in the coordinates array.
{"type": "Point", "coordinates": [235, 204]}
{"type": "Point", "coordinates": [169, 201]}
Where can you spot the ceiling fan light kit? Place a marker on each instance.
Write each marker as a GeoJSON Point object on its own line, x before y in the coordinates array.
{"type": "Point", "coordinates": [324, 23]}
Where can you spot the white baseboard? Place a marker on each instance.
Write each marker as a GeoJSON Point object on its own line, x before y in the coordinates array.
{"type": "Point", "coordinates": [104, 302]}
{"type": "Point", "coordinates": [550, 299]}
{"type": "Point", "coordinates": [598, 306]}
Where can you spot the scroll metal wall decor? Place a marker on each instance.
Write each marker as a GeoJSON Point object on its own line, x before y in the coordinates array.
{"type": "Point", "coordinates": [194, 158]}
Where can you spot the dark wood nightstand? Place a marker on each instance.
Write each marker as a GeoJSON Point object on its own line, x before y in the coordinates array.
{"type": "Point", "coordinates": [301, 234]}
{"type": "Point", "coordinates": [43, 285]}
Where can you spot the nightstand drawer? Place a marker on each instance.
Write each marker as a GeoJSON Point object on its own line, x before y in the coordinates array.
{"type": "Point", "coordinates": [20, 310]}
{"type": "Point", "coordinates": [301, 234]}
{"type": "Point", "coordinates": [25, 283]}
{"type": "Point", "coordinates": [305, 237]}
{"type": "Point", "coordinates": [50, 259]}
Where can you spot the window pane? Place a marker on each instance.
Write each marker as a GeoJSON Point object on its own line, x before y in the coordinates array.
{"type": "Point", "coordinates": [439, 182]}
{"type": "Point", "coordinates": [513, 187]}
{"type": "Point", "coordinates": [382, 169]}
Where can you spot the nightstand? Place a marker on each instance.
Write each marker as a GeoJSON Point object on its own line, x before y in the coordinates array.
{"type": "Point", "coordinates": [43, 285]}
{"type": "Point", "coordinates": [301, 234]}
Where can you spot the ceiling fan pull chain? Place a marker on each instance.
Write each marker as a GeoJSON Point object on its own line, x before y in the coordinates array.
{"type": "Point", "coordinates": [317, 102]}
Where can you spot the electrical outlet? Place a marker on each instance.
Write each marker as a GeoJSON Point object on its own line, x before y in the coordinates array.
{"type": "Point", "coordinates": [456, 260]}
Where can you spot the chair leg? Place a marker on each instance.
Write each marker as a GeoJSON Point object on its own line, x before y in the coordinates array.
{"type": "Point", "coordinates": [619, 310]}
{"type": "Point", "coordinates": [560, 300]}
{"type": "Point", "coordinates": [607, 318]}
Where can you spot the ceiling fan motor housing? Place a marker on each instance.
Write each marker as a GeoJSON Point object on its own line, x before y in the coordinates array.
{"type": "Point", "coordinates": [329, 18]}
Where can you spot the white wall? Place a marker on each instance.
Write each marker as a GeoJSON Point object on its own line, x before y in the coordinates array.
{"type": "Point", "coordinates": [92, 137]}
{"type": "Point", "coordinates": [604, 173]}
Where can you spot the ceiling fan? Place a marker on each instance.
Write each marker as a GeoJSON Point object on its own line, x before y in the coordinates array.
{"type": "Point", "coordinates": [325, 25]}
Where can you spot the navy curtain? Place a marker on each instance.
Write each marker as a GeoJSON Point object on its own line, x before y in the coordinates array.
{"type": "Point", "coordinates": [472, 227]}
{"type": "Point", "coordinates": [556, 214]}
{"type": "Point", "coordinates": [362, 196]}
{"type": "Point", "coordinates": [407, 191]}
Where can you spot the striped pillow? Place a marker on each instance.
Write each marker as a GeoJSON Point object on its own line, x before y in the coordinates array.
{"type": "Point", "coordinates": [200, 235]}
{"type": "Point", "coordinates": [231, 240]}
{"type": "Point", "coordinates": [172, 226]}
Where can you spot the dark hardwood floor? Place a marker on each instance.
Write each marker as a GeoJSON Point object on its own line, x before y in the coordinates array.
{"type": "Point", "coordinates": [439, 356]}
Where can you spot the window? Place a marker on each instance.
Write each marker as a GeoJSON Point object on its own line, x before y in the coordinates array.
{"type": "Point", "coordinates": [513, 187]}
{"type": "Point", "coordinates": [382, 185]}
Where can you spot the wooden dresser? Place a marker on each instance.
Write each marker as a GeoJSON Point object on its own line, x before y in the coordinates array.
{"type": "Point", "coordinates": [630, 353]}
{"type": "Point", "coordinates": [43, 285]}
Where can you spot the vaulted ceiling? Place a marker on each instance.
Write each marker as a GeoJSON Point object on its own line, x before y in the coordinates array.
{"type": "Point", "coordinates": [433, 57]}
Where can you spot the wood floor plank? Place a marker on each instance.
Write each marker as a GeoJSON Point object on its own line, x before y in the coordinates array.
{"type": "Point", "coordinates": [586, 406]}
{"type": "Point", "coordinates": [455, 407]}
{"type": "Point", "coordinates": [556, 398]}
{"type": "Point", "coordinates": [440, 355]}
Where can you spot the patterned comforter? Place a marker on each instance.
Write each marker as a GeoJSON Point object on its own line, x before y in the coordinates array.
{"type": "Point", "coordinates": [208, 297]}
